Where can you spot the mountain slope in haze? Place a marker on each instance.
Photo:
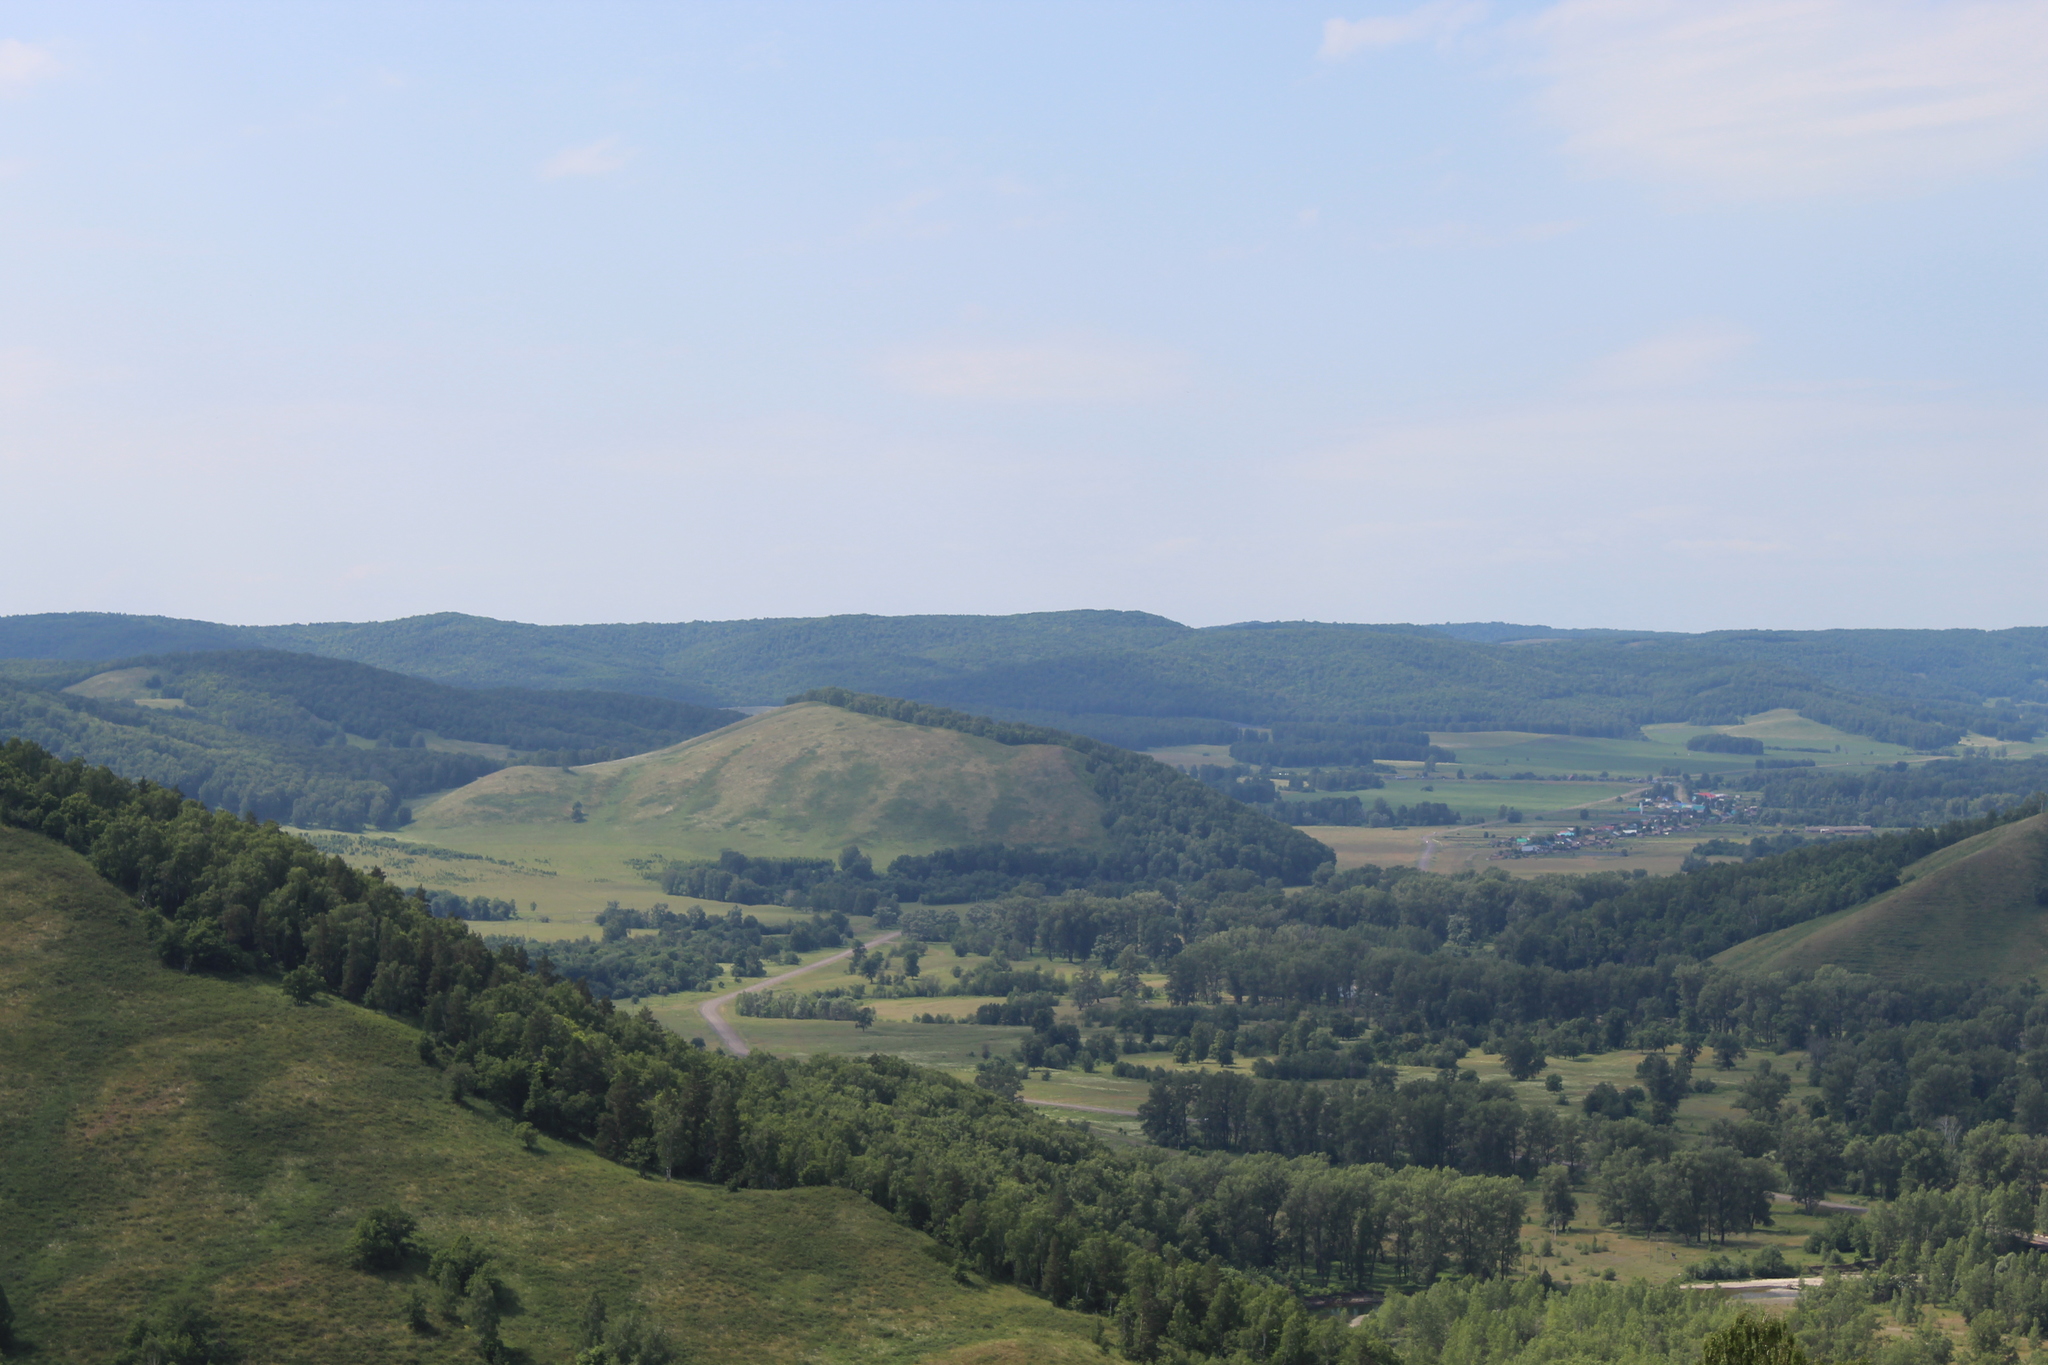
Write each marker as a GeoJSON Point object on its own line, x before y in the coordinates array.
{"type": "Point", "coordinates": [1920, 688]}
{"type": "Point", "coordinates": [807, 778]}
{"type": "Point", "coordinates": [316, 741]}
{"type": "Point", "coordinates": [1977, 910]}
{"type": "Point", "coordinates": [170, 1134]}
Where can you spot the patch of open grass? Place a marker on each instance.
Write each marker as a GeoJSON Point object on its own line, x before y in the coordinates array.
{"type": "Point", "coordinates": [163, 1133]}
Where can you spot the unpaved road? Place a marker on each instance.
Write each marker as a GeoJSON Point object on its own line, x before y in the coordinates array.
{"type": "Point", "coordinates": [713, 1009]}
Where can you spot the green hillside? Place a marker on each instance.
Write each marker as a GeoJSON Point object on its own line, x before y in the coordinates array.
{"type": "Point", "coordinates": [171, 1135]}
{"type": "Point", "coordinates": [1974, 911]}
{"type": "Point", "coordinates": [804, 779]}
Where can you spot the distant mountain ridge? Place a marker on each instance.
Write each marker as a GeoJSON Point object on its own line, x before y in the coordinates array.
{"type": "Point", "coordinates": [1143, 680]}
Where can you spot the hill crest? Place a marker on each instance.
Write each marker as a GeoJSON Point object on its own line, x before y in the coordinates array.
{"type": "Point", "coordinates": [806, 777]}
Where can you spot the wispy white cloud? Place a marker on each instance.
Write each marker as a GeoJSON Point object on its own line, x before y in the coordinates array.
{"type": "Point", "coordinates": [1768, 98]}
{"type": "Point", "coordinates": [1681, 356]}
{"type": "Point", "coordinates": [1436, 19]}
{"type": "Point", "coordinates": [597, 158]}
{"type": "Point", "coordinates": [1061, 372]}
{"type": "Point", "coordinates": [24, 64]}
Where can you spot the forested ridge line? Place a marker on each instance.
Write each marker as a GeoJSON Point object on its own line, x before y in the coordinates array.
{"type": "Point", "coordinates": [282, 735]}
{"type": "Point", "coordinates": [1142, 680]}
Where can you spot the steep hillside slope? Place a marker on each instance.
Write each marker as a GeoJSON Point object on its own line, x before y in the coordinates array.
{"type": "Point", "coordinates": [166, 1134]}
{"type": "Point", "coordinates": [1977, 910]}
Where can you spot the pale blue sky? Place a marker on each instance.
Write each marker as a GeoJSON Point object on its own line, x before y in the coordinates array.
{"type": "Point", "coordinates": [1609, 312]}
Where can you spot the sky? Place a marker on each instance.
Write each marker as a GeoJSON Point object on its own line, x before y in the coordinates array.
{"type": "Point", "coordinates": [1657, 314]}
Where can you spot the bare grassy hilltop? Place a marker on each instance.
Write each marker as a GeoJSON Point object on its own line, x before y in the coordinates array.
{"type": "Point", "coordinates": [802, 779]}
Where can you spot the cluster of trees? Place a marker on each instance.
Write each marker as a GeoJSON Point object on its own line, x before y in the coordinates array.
{"type": "Point", "coordinates": [1701, 1193]}
{"type": "Point", "coordinates": [1334, 743]}
{"type": "Point", "coordinates": [1902, 796]}
{"type": "Point", "coordinates": [1724, 744]}
{"type": "Point", "coordinates": [685, 951]}
{"type": "Point", "coordinates": [846, 887]}
{"type": "Point", "coordinates": [449, 905]}
{"type": "Point", "coordinates": [827, 1004]}
{"type": "Point", "coordinates": [1160, 822]}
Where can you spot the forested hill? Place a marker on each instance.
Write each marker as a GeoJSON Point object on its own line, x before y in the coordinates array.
{"type": "Point", "coordinates": [317, 741]}
{"type": "Point", "coordinates": [1142, 680]}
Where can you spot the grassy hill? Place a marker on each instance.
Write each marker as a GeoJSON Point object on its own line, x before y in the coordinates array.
{"type": "Point", "coordinates": [165, 1134]}
{"type": "Point", "coordinates": [806, 779]}
{"type": "Point", "coordinates": [1976, 910]}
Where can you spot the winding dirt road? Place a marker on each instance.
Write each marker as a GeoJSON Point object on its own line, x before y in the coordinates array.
{"type": "Point", "coordinates": [713, 1009]}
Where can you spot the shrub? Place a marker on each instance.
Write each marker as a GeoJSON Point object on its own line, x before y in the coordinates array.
{"type": "Point", "coordinates": [382, 1240]}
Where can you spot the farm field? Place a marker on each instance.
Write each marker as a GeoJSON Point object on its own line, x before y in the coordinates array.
{"type": "Point", "coordinates": [1484, 798]}
{"type": "Point", "coordinates": [1454, 849]}
{"type": "Point", "coordinates": [1507, 751]}
{"type": "Point", "coordinates": [559, 891]}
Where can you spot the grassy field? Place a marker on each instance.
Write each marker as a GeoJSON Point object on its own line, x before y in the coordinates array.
{"type": "Point", "coordinates": [1506, 752]}
{"type": "Point", "coordinates": [1460, 849]}
{"type": "Point", "coordinates": [164, 1134]}
{"type": "Point", "coordinates": [559, 889]}
{"type": "Point", "coordinates": [1969, 912]}
{"type": "Point", "coordinates": [1469, 797]}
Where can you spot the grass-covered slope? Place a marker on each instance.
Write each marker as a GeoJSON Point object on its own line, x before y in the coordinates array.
{"type": "Point", "coordinates": [805, 779]}
{"type": "Point", "coordinates": [167, 1134]}
{"type": "Point", "coordinates": [1974, 911]}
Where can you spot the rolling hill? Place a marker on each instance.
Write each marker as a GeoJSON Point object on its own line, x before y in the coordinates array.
{"type": "Point", "coordinates": [1974, 911]}
{"type": "Point", "coordinates": [172, 1136]}
{"type": "Point", "coordinates": [803, 779]}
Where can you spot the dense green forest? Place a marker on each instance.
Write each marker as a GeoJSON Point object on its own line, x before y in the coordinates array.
{"type": "Point", "coordinates": [321, 742]}
{"type": "Point", "coordinates": [1901, 795]}
{"type": "Point", "coordinates": [1141, 680]}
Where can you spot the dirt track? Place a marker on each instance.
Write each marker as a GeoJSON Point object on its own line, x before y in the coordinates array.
{"type": "Point", "coordinates": [714, 1012]}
